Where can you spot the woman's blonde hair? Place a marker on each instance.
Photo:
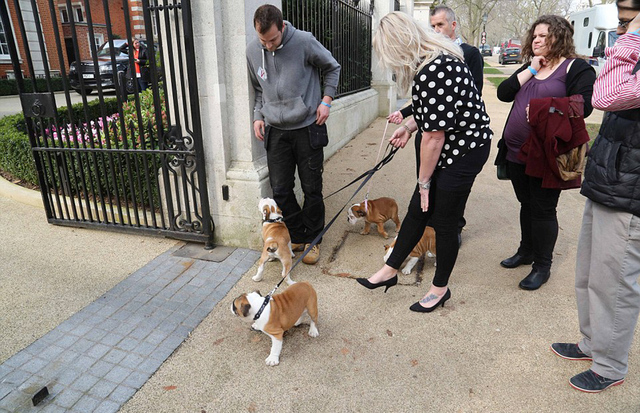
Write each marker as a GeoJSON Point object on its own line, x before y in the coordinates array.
{"type": "Point", "coordinates": [405, 47]}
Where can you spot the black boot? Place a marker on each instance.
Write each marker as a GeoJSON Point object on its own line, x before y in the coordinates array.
{"type": "Point", "coordinates": [535, 279]}
{"type": "Point", "coordinates": [517, 260]}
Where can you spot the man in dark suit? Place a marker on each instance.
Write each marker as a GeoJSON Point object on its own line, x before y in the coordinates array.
{"type": "Point", "coordinates": [443, 20]}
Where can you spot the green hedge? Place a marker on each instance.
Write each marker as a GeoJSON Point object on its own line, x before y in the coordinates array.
{"type": "Point", "coordinates": [10, 86]}
{"type": "Point", "coordinates": [17, 159]}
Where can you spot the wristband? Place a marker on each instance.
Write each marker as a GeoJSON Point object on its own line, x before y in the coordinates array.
{"type": "Point", "coordinates": [424, 185]}
{"type": "Point", "coordinates": [407, 128]}
{"type": "Point", "coordinates": [325, 103]}
{"type": "Point", "coordinates": [532, 70]}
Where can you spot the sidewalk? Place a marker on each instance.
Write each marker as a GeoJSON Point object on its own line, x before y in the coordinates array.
{"type": "Point", "coordinates": [487, 350]}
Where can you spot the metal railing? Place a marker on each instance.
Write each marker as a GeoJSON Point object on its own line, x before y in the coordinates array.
{"type": "Point", "coordinates": [344, 28]}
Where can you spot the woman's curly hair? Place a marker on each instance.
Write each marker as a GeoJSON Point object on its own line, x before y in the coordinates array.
{"type": "Point", "coordinates": [559, 39]}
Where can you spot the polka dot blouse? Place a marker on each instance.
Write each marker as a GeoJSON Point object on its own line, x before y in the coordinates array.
{"type": "Point", "coordinates": [446, 99]}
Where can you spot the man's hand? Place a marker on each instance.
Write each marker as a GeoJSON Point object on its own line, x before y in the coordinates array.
{"type": "Point", "coordinates": [396, 117]}
{"type": "Point", "coordinates": [258, 129]}
{"type": "Point", "coordinates": [322, 113]}
{"type": "Point", "coordinates": [400, 138]}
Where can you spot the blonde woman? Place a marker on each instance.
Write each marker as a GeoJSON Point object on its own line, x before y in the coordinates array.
{"type": "Point", "coordinates": [452, 144]}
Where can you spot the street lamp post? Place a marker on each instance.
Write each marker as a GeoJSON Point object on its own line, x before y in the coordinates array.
{"type": "Point", "coordinates": [483, 38]}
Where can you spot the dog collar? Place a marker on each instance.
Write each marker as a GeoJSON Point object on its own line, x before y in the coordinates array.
{"type": "Point", "coordinates": [271, 221]}
{"type": "Point", "coordinates": [262, 307]}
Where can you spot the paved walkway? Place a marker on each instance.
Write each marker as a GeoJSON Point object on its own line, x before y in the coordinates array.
{"type": "Point", "coordinates": [97, 359]}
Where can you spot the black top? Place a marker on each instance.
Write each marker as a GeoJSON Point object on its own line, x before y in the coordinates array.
{"type": "Point", "coordinates": [473, 60]}
{"type": "Point", "coordinates": [446, 99]}
{"type": "Point", "coordinates": [580, 80]}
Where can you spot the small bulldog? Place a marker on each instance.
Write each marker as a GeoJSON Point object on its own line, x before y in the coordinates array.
{"type": "Point", "coordinates": [283, 311]}
{"type": "Point", "coordinates": [377, 211]}
{"type": "Point", "coordinates": [277, 242]}
{"type": "Point", "coordinates": [426, 245]}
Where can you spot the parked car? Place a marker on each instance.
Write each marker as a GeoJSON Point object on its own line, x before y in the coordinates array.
{"type": "Point", "coordinates": [105, 68]}
{"type": "Point", "coordinates": [485, 50]}
{"type": "Point", "coordinates": [509, 55]}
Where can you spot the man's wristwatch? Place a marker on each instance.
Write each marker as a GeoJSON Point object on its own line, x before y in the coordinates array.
{"type": "Point", "coordinates": [424, 185]}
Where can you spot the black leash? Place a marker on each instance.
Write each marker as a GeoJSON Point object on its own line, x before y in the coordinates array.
{"type": "Point", "coordinates": [368, 174]}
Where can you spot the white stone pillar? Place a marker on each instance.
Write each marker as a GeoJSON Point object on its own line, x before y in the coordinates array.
{"type": "Point", "coordinates": [234, 158]}
{"type": "Point", "coordinates": [381, 78]}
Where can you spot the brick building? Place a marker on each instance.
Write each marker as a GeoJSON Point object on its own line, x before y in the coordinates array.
{"type": "Point", "coordinates": [81, 17]}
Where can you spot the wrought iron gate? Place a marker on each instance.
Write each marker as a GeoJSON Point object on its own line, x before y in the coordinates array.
{"type": "Point", "coordinates": [131, 160]}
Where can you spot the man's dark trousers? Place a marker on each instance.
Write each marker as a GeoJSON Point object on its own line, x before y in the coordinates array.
{"type": "Point", "coordinates": [286, 151]}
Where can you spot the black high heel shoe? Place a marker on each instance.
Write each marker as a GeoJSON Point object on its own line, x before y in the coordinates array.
{"type": "Point", "coordinates": [420, 309]}
{"type": "Point", "coordinates": [388, 283]}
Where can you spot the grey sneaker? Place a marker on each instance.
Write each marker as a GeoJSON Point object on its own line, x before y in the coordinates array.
{"type": "Point", "coordinates": [569, 351]}
{"type": "Point", "coordinates": [591, 382]}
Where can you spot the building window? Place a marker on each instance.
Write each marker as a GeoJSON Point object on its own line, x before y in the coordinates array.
{"type": "Point", "coordinates": [64, 15]}
{"type": "Point", "coordinates": [79, 15]}
{"type": "Point", "coordinates": [98, 39]}
{"type": "Point", "coordinates": [4, 46]}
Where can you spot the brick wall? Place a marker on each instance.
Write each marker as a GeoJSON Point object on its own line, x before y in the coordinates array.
{"type": "Point", "coordinates": [98, 18]}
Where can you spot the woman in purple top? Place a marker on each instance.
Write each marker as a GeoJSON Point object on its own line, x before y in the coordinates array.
{"type": "Point", "coordinates": [552, 71]}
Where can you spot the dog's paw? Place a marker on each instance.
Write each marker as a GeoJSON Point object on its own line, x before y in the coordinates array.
{"type": "Point", "coordinates": [271, 259]}
{"type": "Point", "coordinates": [385, 235]}
{"type": "Point", "coordinates": [254, 327]}
{"type": "Point", "coordinates": [430, 255]}
{"type": "Point", "coordinates": [257, 277]}
{"type": "Point", "coordinates": [364, 233]}
{"type": "Point", "coordinates": [406, 271]}
{"type": "Point", "coordinates": [313, 331]}
{"type": "Point", "coordinates": [272, 361]}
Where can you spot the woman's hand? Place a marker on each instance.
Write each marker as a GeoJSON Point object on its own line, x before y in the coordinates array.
{"type": "Point", "coordinates": [400, 137]}
{"type": "Point", "coordinates": [538, 62]}
{"type": "Point", "coordinates": [424, 199]}
{"type": "Point", "coordinates": [396, 117]}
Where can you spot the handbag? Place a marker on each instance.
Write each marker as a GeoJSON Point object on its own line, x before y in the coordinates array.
{"type": "Point", "coordinates": [501, 161]}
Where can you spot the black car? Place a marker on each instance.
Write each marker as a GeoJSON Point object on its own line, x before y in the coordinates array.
{"type": "Point", "coordinates": [105, 68]}
{"type": "Point", "coordinates": [509, 55]}
{"type": "Point", "coordinates": [485, 50]}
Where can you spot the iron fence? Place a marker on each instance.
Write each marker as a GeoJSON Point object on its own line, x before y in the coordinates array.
{"type": "Point", "coordinates": [344, 28]}
{"type": "Point", "coordinates": [132, 160]}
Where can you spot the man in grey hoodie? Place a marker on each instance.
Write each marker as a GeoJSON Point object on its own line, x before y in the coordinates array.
{"type": "Point", "coordinates": [289, 116]}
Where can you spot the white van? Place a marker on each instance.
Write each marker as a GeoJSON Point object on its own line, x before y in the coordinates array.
{"type": "Point", "coordinates": [593, 30]}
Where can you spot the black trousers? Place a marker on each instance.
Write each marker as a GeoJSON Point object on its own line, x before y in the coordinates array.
{"type": "Point", "coordinates": [538, 216]}
{"type": "Point", "coordinates": [450, 189]}
{"type": "Point", "coordinates": [288, 150]}
{"type": "Point", "coordinates": [445, 210]}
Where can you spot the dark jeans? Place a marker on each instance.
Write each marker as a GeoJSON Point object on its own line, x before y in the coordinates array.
{"type": "Point", "coordinates": [445, 210]}
{"type": "Point", "coordinates": [538, 217]}
{"type": "Point", "coordinates": [142, 84]}
{"type": "Point", "coordinates": [286, 151]}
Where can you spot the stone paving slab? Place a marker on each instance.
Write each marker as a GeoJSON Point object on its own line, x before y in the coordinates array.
{"type": "Point", "coordinates": [98, 358]}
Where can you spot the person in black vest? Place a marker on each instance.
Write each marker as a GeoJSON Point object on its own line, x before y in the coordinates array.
{"type": "Point", "coordinates": [608, 256]}
{"type": "Point", "coordinates": [443, 20]}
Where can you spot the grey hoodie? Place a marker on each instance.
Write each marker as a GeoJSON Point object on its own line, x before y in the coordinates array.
{"type": "Point", "coordinates": [287, 82]}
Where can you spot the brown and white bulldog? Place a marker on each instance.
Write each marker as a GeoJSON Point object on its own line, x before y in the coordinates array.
{"type": "Point", "coordinates": [426, 245]}
{"type": "Point", "coordinates": [283, 311]}
{"type": "Point", "coordinates": [377, 212]}
{"type": "Point", "coordinates": [277, 242]}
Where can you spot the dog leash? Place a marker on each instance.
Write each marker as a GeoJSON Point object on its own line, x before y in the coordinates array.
{"type": "Point", "coordinates": [367, 175]}
{"type": "Point", "coordinates": [366, 197]}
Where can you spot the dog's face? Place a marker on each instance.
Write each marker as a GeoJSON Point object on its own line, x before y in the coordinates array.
{"type": "Point", "coordinates": [241, 306]}
{"type": "Point", "coordinates": [356, 213]}
{"type": "Point", "coordinates": [269, 209]}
